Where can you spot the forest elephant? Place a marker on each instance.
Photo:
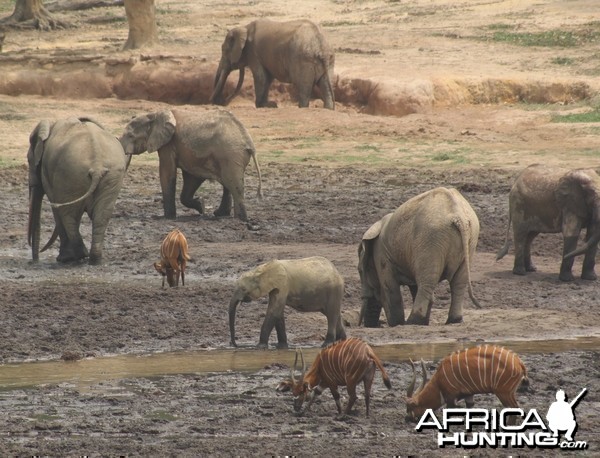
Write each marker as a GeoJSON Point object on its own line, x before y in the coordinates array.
{"type": "Point", "coordinates": [205, 145]}
{"type": "Point", "coordinates": [430, 238]}
{"type": "Point", "coordinates": [548, 200]}
{"type": "Point", "coordinates": [292, 52]}
{"type": "Point", "coordinates": [80, 167]}
{"type": "Point", "coordinates": [307, 285]}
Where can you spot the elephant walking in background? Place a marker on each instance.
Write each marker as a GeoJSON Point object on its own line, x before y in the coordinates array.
{"type": "Point", "coordinates": [430, 238]}
{"type": "Point", "coordinates": [205, 145]}
{"type": "Point", "coordinates": [80, 167]}
{"type": "Point", "coordinates": [292, 52]}
{"type": "Point", "coordinates": [549, 200]}
{"type": "Point", "coordinates": [307, 285]}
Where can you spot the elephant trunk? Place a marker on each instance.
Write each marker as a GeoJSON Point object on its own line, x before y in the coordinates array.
{"type": "Point", "coordinates": [220, 80]}
{"type": "Point", "coordinates": [593, 231]}
{"type": "Point", "coordinates": [33, 231]}
{"type": "Point", "coordinates": [232, 309]}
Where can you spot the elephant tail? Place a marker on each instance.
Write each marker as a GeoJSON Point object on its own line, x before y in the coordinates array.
{"type": "Point", "coordinates": [259, 193]}
{"type": "Point", "coordinates": [465, 243]}
{"type": "Point", "coordinates": [96, 176]}
{"type": "Point", "coordinates": [504, 250]}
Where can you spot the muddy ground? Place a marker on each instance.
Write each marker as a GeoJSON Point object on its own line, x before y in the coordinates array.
{"type": "Point", "coordinates": [457, 120]}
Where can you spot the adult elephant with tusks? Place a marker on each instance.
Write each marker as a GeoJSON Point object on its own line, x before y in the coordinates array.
{"type": "Point", "coordinates": [205, 145]}
{"type": "Point", "coordinates": [551, 199]}
{"type": "Point", "coordinates": [307, 285]}
{"type": "Point", "coordinates": [429, 238]}
{"type": "Point", "coordinates": [80, 167]}
{"type": "Point", "coordinates": [292, 52]}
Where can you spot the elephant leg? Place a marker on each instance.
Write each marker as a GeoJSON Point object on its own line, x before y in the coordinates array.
{"type": "Point", "coordinates": [458, 287]}
{"type": "Point", "coordinates": [225, 207]}
{"type": "Point", "coordinates": [168, 182]}
{"type": "Point", "coordinates": [281, 334]}
{"type": "Point", "coordinates": [371, 312]}
{"type": "Point", "coordinates": [72, 247]}
{"type": "Point", "coordinates": [522, 240]}
{"type": "Point", "coordinates": [233, 181]}
{"type": "Point", "coordinates": [274, 313]}
{"type": "Point", "coordinates": [326, 87]}
{"type": "Point", "coordinates": [100, 213]}
{"type": "Point", "coordinates": [191, 184]}
{"type": "Point", "coordinates": [571, 228]}
{"type": "Point", "coordinates": [413, 291]}
{"type": "Point", "coordinates": [422, 307]}
{"type": "Point", "coordinates": [589, 262]}
{"type": "Point", "coordinates": [391, 297]}
{"type": "Point", "coordinates": [335, 328]}
{"type": "Point", "coordinates": [262, 83]}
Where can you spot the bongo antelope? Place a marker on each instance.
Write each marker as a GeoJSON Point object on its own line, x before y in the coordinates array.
{"type": "Point", "coordinates": [173, 258]}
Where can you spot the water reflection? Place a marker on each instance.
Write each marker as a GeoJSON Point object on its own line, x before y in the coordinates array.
{"type": "Point", "coordinates": [89, 371]}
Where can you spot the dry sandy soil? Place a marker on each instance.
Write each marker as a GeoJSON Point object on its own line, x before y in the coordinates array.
{"type": "Point", "coordinates": [427, 95]}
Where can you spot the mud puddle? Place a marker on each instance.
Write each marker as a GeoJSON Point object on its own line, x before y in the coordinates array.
{"type": "Point", "coordinates": [87, 372]}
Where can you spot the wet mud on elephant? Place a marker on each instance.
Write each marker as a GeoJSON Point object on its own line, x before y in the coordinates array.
{"type": "Point", "coordinates": [430, 238]}
{"type": "Point", "coordinates": [307, 285]}
{"type": "Point", "coordinates": [550, 200]}
{"type": "Point", "coordinates": [205, 145]}
{"type": "Point", "coordinates": [80, 167]}
{"type": "Point", "coordinates": [292, 52]}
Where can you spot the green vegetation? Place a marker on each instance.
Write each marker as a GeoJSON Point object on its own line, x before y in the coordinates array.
{"type": "Point", "coordinates": [451, 157]}
{"type": "Point", "coordinates": [562, 61]}
{"type": "Point", "coordinates": [507, 33]}
{"type": "Point", "coordinates": [161, 415]}
{"type": "Point", "coordinates": [588, 116]}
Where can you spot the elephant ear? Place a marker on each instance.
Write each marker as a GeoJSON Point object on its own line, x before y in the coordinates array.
{"type": "Point", "coordinates": [577, 191]}
{"type": "Point", "coordinates": [36, 143]}
{"type": "Point", "coordinates": [237, 40]}
{"type": "Point", "coordinates": [163, 128]}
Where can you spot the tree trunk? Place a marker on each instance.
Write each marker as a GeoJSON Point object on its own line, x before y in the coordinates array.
{"type": "Point", "coordinates": [31, 13]}
{"type": "Point", "coordinates": [141, 15]}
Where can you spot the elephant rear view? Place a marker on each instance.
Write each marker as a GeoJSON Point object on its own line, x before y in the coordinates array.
{"type": "Point", "coordinates": [80, 167]}
{"type": "Point", "coordinates": [292, 52]}
{"type": "Point", "coordinates": [430, 238]}
{"type": "Point", "coordinates": [549, 200]}
{"type": "Point", "coordinates": [205, 145]}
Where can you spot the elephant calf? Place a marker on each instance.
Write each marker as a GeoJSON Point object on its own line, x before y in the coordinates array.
{"type": "Point", "coordinates": [430, 238]}
{"type": "Point", "coordinates": [307, 285]}
{"type": "Point", "coordinates": [205, 145]}
{"type": "Point", "coordinates": [549, 200]}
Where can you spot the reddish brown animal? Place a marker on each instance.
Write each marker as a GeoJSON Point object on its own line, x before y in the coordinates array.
{"type": "Point", "coordinates": [344, 363]}
{"type": "Point", "coordinates": [173, 258]}
{"type": "Point", "coordinates": [484, 369]}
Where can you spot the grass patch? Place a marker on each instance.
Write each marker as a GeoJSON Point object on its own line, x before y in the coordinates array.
{"type": "Point", "coordinates": [450, 157]}
{"type": "Point", "coordinates": [588, 116]}
{"type": "Point", "coordinates": [507, 33]}
{"type": "Point", "coordinates": [562, 61]}
{"type": "Point", "coordinates": [161, 415]}
{"type": "Point", "coordinates": [367, 147]}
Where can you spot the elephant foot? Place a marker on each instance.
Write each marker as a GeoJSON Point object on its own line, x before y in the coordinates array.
{"type": "Point", "coordinates": [95, 260]}
{"type": "Point", "coordinates": [262, 346]}
{"type": "Point", "coordinates": [531, 268]}
{"type": "Point", "coordinates": [282, 346]}
{"type": "Point", "coordinates": [566, 276]}
{"type": "Point", "coordinates": [454, 320]}
{"type": "Point", "coordinates": [219, 212]}
{"type": "Point", "coordinates": [589, 276]}
{"type": "Point", "coordinates": [418, 320]}
{"type": "Point", "coordinates": [519, 270]}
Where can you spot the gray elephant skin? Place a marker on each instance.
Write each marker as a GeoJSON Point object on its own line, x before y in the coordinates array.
{"type": "Point", "coordinates": [292, 52]}
{"type": "Point", "coordinates": [205, 145]}
{"type": "Point", "coordinates": [307, 285]}
{"type": "Point", "coordinates": [549, 200]}
{"type": "Point", "coordinates": [80, 167]}
{"type": "Point", "coordinates": [430, 238]}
